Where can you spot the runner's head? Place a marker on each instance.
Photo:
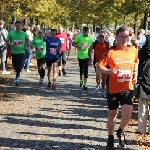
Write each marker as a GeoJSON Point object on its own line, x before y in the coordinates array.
{"type": "Point", "coordinates": [60, 29]}
{"type": "Point", "coordinates": [85, 31]}
{"type": "Point", "coordinates": [101, 37]}
{"type": "Point", "coordinates": [1, 23]}
{"type": "Point", "coordinates": [122, 36]}
{"type": "Point", "coordinates": [18, 25]}
{"type": "Point", "coordinates": [53, 33]}
{"type": "Point", "coordinates": [40, 33]}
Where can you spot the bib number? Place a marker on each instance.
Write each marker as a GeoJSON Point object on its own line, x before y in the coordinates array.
{"type": "Point", "coordinates": [40, 48]}
{"type": "Point", "coordinates": [17, 42]}
{"type": "Point", "coordinates": [53, 51]}
{"type": "Point", "coordinates": [62, 40]}
{"type": "Point", "coordinates": [84, 45]}
{"type": "Point", "coordinates": [124, 76]}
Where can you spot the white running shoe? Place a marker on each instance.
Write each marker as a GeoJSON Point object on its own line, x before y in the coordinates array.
{"type": "Point", "coordinates": [96, 89]}
{"type": "Point", "coordinates": [31, 64]}
{"type": "Point", "coordinates": [103, 94]}
{"type": "Point", "coordinates": [5, 72]}
{"type": "Point", "coordinates": [41, 81]}
{"type": "Point", "coordinates": [28, 70]}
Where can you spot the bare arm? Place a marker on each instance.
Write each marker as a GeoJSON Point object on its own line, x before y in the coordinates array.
{"type": "Point", "coordinates": [90, 50]}
{"type": "Point", "coordinates": [105, 70]}
{"type": "Point", "coordinates": [26, 41]}
{"type": "Point", "coordinates": [67, 44]}
{"type": "Point", "coordinates": [76, 45]}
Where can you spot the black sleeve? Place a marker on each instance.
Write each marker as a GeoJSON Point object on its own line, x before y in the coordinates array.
{"type": "Point", "coordinates": [142, 59]}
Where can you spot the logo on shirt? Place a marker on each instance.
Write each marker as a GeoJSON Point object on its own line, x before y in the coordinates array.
{"type": "Point", "coordinates": [18, 42]}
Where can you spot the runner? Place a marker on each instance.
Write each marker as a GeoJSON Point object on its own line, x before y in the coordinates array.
{"type": "Point", "coordinates": [40, 51]}
{"type": "Point", "coordinates": [3, 47]}
{"type": "Point", "coordinates": [53, 46]}
{"type": "Point", "coordinates": [100, 47]}
{"type": "Point", "coordinates": [83, 42]}
{"type": "Point", "coordinates": [65, 45]}
{"type": "Point", "coordinates": [123, 64]}
{"type": "Point", "coordinates": [18, 40]}
{"type": "Point", "coordinates": [74, 36]}
{"type": "Point", "coordinates": [70, 45]}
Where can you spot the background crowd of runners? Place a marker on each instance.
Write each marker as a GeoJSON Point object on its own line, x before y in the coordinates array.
{"type": "Point", "coordinates": [119, 59]}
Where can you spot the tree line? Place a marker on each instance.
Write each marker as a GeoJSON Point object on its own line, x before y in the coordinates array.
{"type": "Point", "coordinates": [76, 12]}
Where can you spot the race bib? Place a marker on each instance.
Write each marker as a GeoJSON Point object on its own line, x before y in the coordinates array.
{"type": "Point", "coordinates": [40, 48]}
{"type": "Point", "coordinates": [124, 76]}
{"type": "Point", "coordinates": [18, 42]}
{"type": "Point", "coordinates": [53, 51]}
{"type": "Point", "coordinates": [84, 45]}
{"type": "Point", "coordinates": [62, 40]}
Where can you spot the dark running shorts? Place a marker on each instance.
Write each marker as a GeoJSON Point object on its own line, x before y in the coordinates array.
{"type": "Point", "coordinates": [49, 62]}
{"type": "Point", "coordinates": [40, 61]}
{"type": "Point", "coordinates": [122, 98]}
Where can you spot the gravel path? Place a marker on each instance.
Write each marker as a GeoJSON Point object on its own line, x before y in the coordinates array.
{"type": "Point", "coordinates": [34, 117]}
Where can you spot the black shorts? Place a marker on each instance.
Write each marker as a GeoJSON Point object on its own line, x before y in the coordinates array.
{"type": "Point", "coordinates": [49, 62]}
{"type": "Point", "coordinates": [40, 61]}
{"type": "Point", "coordinates": [122, 98]}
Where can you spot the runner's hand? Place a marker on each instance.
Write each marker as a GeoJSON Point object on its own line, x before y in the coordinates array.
{"type": "Point", "coordinates": [79, 47]}
{"type": "Point", "coordinates": [115, 70]}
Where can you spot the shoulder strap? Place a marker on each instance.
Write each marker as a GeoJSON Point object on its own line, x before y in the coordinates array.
{"type": "Point", "coordinates": [107, 45]}
{"type": "Point", "coordinates": [94, 44]}
{"type": "Point", "coordinates": [147, 67]}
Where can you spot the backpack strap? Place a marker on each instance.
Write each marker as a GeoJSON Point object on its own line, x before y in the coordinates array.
{"type": "Point", "coordinates": [94, 44]}
{"type": "Point", "coordinates": [107, 45]}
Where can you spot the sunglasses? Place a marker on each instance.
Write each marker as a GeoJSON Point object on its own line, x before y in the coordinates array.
{"type": "Point", "coordinates": [101, 36]}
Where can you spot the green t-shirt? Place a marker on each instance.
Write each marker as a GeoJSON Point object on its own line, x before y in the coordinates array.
{"type": "Point", "coordinates": [85, 42]}
{"type": "Point", "coordinates": [18, 40]}
{"type": "Point", "coordinates": [40, 47]}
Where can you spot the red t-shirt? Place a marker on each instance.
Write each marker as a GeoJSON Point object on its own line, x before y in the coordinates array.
{"type": "Point", "coordinates": [63, 38]}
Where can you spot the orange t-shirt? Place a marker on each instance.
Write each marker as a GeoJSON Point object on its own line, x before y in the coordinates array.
{"type": "Point", "coordinates": [124, 60]}
{"type": "Point", "coordinates": [100, 48]}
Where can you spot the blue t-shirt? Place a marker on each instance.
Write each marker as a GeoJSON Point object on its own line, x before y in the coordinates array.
{"type": "Point", "coordinates": [52, 47]}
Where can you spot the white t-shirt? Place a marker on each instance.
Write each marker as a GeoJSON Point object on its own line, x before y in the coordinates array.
{"type": "Point", "coordinates": [111, 40]}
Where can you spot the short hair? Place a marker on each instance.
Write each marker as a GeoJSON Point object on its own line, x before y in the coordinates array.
{"type": "Point", "coordinates": [121, 29]}
{"type": "Point", "coordinates": [53, 30]}
{"type": "Point", "coordinates": [1, 22]}
{"type": "Point", "coordinates": [85, 28]}
{"type": "Point", "coordinates": [101, 31]}
{"type": "Point", "coordinates": [17, 22]}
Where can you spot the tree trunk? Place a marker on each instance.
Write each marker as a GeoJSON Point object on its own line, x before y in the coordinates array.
{"type": "Point", "coordinates": [125, 19]}
{"type": "Point", "coordinates": [116, 25]}
{"type": "Point", "coordinates": [93, 27]}
{"type": "Point", "coordinates": [145, 24]}
{"type": "Point", "coordinates": [135, 24]}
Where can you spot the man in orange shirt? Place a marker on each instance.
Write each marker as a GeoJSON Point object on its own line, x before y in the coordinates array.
{"type": "Point", "coordinates": [100, 47]}
{"type": "Point", "coordinates": [123, 64]}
